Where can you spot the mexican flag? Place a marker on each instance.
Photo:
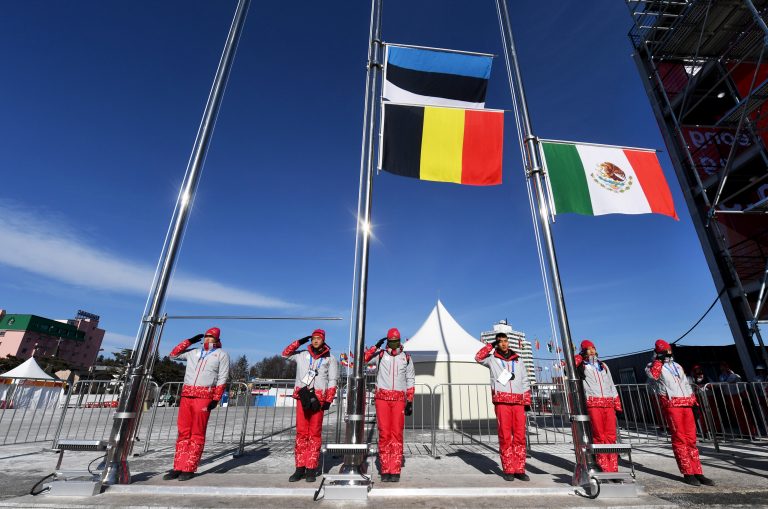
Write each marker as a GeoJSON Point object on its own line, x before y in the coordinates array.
{"type": "Point", "coordinates": [597, 179]}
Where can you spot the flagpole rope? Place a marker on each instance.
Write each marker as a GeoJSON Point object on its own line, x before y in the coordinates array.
{"type": "Point", "coordinates": [537, 235]}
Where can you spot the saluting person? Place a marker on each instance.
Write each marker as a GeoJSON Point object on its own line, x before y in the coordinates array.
{"type": "Point", "coordinates": [395, 382]}
{"type": "Point", "coordinates": [314, 390]}
{"type": "Point", "coordinates": [677, 401]}
{"type": "Point", "coordinates": [511, 393]}
{"type": "Point", "coordinates": [205, 379]}
{"type": "Point", "coordinates": [602, 401]}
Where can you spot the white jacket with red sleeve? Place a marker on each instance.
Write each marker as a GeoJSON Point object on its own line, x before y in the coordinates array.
{"type": "Point", "coordinates": [670, 384]}
{"type": "Point", "coordinates": [516, 391]}
{"type": "Point", "coordinates": [598, 384]}
{"type": "Point", "coordinates": [324, 382]}
{"type": "Point", "coordinates": [395, 376]}
{"type": "Point", "coordinates": [206, 373]}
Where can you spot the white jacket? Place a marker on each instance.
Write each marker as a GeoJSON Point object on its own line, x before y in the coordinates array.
{"type": "Point", "coordinates": [326, 366]}
{"type": "Point", "coordinates": [670, 384]}
{"type": "Point", "coordinates": [516, 391]}
{"type": "Point", "coordinates": [395, 375]}
{"type": "Point", "coordinates": [206, 373]}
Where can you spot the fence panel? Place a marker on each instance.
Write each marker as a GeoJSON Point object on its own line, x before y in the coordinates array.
{"type": "Point", "coordinates": [737, 410]}
{"type": "Point", "coordinates": [227, 423]}
{"type": "Point", "coordinates": [89, 408]}
{"type": "Point", "coordinates": [30, 409]}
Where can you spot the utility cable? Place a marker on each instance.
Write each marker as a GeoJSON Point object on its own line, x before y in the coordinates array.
{"type": "Point", "coordinates": [681, 337]}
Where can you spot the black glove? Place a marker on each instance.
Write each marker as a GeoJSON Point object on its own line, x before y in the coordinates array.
{"type": "Point", "coordinates": [326, 405]}
{"type": "Point", "coordinates": [212, 405]}
{"type": "Point", "coordinates": [661, 356]}
{"type": "Point", "coordinates": [195, 339]}
{"type": "Point", "coordinates": [380, 342]}
{"type": "Point", "coordinates": [304, 339]}
{"type": "Point", "coordinates": [409, 408]}
{"type": "Point", "coordinates": [584, 356]}
{"type": "Point", "coordinates": [527, 408]}
{"type": "Point", "coordinates": [495, 343]}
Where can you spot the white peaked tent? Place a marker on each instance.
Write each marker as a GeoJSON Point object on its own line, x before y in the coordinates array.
{"type": "Point", "coordinates": [28, 386]}
{"type": "Point", "coordinates": [443, 354]}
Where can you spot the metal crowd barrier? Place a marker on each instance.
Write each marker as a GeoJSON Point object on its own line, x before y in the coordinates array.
{"type": "Point", "coordinates": [29, 409]}
{"type": "Point", "coordinates": [262, 413]}
{"type": "Point", "coordinates": [88, 410]}
{"type": "Point", "coordinates": [227, 423]}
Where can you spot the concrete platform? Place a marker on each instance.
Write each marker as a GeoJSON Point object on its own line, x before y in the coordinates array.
{"type": "Point", "coordinates": [462, 477]}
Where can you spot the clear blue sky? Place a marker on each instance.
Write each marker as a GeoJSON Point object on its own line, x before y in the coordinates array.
{"type": "Point", "coordinates": [100, 102]}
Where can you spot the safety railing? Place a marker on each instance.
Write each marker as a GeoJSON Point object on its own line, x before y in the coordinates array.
{"type": "Point", "coordinates": [263, 413]}
{"type": "Point", "coordinates": [642, 419]}
{"type": "Point", "coordinates": [735, 411]}
{"type": "Point", "coordinates": [463, 414]}
{"type": "Point", "coordinates": [227, 422]}
{"type": "Point", "coordinates": [29, 409]}
{"type": "Point", "coordinates": [88, 410]}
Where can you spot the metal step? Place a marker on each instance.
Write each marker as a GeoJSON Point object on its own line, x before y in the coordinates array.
{"type": "Point", "coordinates": [610, 448]}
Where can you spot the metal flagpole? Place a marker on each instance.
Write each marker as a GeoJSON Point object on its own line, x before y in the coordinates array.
{"type": "Point", "coordinates": [130, 405]}
{"type": "Point", "coordinates": [582, 433]}
{"type": "Point", "coordinates": [355, 429]}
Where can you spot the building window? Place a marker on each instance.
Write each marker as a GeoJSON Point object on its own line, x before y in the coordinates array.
{"type": "Point", "coordinates": [2, 333]}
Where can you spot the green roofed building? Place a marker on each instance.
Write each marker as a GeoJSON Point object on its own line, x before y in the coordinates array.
{"type": "Point", "coordinates": [76, 341]}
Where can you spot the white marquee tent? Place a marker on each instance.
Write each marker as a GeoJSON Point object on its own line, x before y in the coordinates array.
{"type": "Point", "coordinates": [444, 353]}
{"type": "Point", "coordinates": [28, 386]}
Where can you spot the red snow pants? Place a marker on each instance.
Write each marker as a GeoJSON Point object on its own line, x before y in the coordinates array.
{"type": "Point", "coordinates": [604, 432]}
{"type": "Point", "coordinates": [511, 423]}
{"type": "Point", "coordinates": [192, 423]}
{"type": "Point", "coordinates": [682, 425]}
{"type": "Point", "coordinates": [309, 430]}
{"type": "Point", "coordinates": [390, 417]}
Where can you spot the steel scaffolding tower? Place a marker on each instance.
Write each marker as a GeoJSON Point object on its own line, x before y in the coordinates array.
{"type": "Point", "coordinates": [704, 65]}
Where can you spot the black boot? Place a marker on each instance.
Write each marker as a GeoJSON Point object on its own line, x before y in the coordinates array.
{"type": "Point", "coordinates": [311, 475]}
{"type": "Point", "coordinates": [509, 477]}
{"type": "Point", "coordinates": [385, 477]}
{"type": "Point", "coordinates": [186, 476]}
{"type": "Point", "coordinates": [297, 475]}
{"type": "Point", "coordinates": [706, 481]}
{"type": "Point", "coordinates": [523, 477]}
{"type": "Point", "coordinates": [172, 474]}
{"type": "Point", "coordinates": [394, 477]}
{"type": "Point", "coordinates": [691, 479]}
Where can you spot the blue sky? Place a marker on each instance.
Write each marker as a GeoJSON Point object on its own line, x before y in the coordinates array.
{"type": "Point", "coordinates": [100, 102]}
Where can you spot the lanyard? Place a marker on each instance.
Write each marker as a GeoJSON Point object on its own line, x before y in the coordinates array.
{"type": "Point", "coordinates": [675, 372]}
{"type": "Point", "coordinates": [320, 362]}
{"type": "Point", "coordinates": [507, 367]}
{"type": "Point", "coordinates": [205, 353]}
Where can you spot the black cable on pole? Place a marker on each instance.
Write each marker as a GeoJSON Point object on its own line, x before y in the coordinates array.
{"type": "Point", "coordinates": [702, 316]}
{"type": "Point", "coordinates": [681, 337]}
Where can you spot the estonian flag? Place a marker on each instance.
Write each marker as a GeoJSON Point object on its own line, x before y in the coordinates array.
{"type": "Point", "coordinates": [435, 77]}
{"type": "Point", "coordinates": [443, 144]}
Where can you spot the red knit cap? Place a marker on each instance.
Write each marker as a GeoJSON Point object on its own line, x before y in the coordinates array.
{"type": "Point", "coordinates": [213, 331]}
{"type": "Point", "coordinates": [319, 332]}
{"type": "Point", "coordinates": [587, 344]}
{"type": "Point", "coordinates": [393, 333]}
{"type": "Point", "coordinates": [661, 346]}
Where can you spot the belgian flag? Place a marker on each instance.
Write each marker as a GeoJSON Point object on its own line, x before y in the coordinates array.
{"type": "Point", "coordinates": [443, 144]}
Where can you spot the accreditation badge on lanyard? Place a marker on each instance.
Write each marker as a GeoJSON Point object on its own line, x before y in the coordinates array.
{"type": "Point", "coordinates": [309, 377]}
{"type": "Point", "coordinates": [505, 375]}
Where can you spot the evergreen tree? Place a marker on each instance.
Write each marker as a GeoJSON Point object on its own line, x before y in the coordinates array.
{"type": "Point", "coordinates": [238, 370]}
